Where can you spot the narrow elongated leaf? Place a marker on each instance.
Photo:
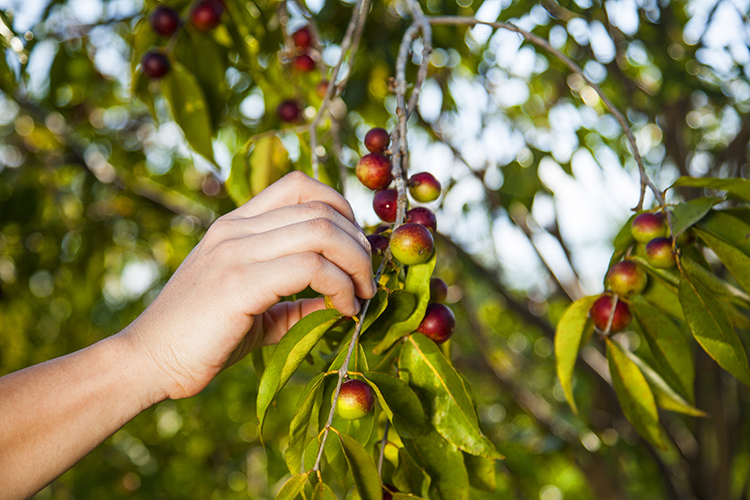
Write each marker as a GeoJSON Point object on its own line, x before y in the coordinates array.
{"type": "Point", "coordinates": [622, 241]}
{"type": "Point", "coordinates": [664, 296]}
{"type": "Point", "coordinates": [410, 477]}
{"type": "Point", "coordinates": [735, 260]}
{"type": "Point", "coordinates": [418, 284]}
{"type": "Point", "coordinates": [406, 496]}
{"type": "Point", "coordinates": [300, 423]}
{"type": "Point", "coordinates": [444, 463]}
{"type": "Point", "coordinates": [445, 400]}
{"type": "Point", "coordinates": [635, 396]}
{"type": "Point", "coordinates": [363, 469]}
{"type": "Point", "coordinates": [714, 284]}
{"type": "Point", "coordinates": [670, 348]}
{"type": "Point", "coordinates": [401, 304]}
{"type": "Point", "coordinates": [399, 402]}
{"type": "Point", "coordinates": [289, 354]}
{"type": "Point", "coordinates": [269, 162]}
{"type": "Point", "coordinates": [710, 325]}
{"type": "Point", "coordinates": [481, 472]}
{"type": "Point", "coordinates": [735, 186]}
{"type": "Point", "coordinates": [728, 228]}
{"type": "Point", "coordinates": [686, 214]}
{"type": "Point", "coordinates": [568, 336]}
{"type": "Point", "coordinates": [323, 492]}
{"type": "Point", "coordinates": [189, 108]}
{"type": "Point", "coordinates": [292, 487]}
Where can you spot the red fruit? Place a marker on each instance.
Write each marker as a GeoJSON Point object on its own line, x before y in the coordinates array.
{"type": "Point", "coordinates": [648, 226]}
{"type": "Point", "coordinates": [303, 63]}
{"type": "Point", "coordinates": [659, 253]}
{"type": "Point", "coordinates": [302, 37]}
{"type": "Point", "coordinates": [385, 203]}
{"type": "Point", "coordinates": [165, 20]}
{"type": "Point", "coordinates": [378, 243]}
{"type": "Point", "coordinates": [374, 171]}
{"type": "Point", "coordinates": [321, 88]}
{"type": "Point", "coordinates": [377, 140]}
{"type": "Point", "coordinates": [438, 290]}
{"type": "Point", "coordinates": [422, 216]}
{"type": "Point", "coordinates": [602, 308]}
{"type": "Point", "coordinates": [626, 279]}
{"type": "Point", "coordinates": [438, 323]}
{"type": "Point", "coordinates": [356, 400]}
{"type": "Point", "coordinates": [206, 15]}
{"type": "Point", "coordinates": [423, 187]}
{"type": "Point", "coordinates": [155, 64]}
{"type": "Point", "coordinates": [412, 244]}
{"type": "Point", "coordinates": [289, 111]}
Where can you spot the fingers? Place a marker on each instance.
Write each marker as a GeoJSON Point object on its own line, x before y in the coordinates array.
{"type": "Point", "coordinates": [280, 318]}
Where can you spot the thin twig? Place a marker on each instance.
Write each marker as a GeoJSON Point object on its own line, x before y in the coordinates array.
{"type": "Point", "coordinates": [383, 442]}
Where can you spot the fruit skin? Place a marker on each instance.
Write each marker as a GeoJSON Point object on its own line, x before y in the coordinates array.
{"type": "Point", "coordinates": [438, 290]}
{"type": "Point", "coordinates": [385, 203]}
{"type": "Point", "coordinates": [321, 88]}
{"type": "Point", "coordinates": [412, 244]}
{"type": "Point", "coordinates": [659, 253]}
{"type": "Point", "coordinates": [648, 226]}
{"type": "Point", "coordinates": [377, 140]}
{"type": "Point", "coordinates": [601, 309]}
{"type": "Point", "coordinates": [378, 243]}
{"type": "Point", "coordinates": [424, 188]}
{"type": "Point", "coordinates": [165, 20]}
{"type": "Point", "coordinates": [626, 279]}
{"type": "Point", "coordinates": [438, 324]}
{"type": "Point", "coordinates": [155, 64]}
{"type": "Point", "coordinates": [356, 400]}
{"type": "Point", "coordinates": [374, 171]}
{"type": "Point", "coordinates": [302, 37]}
{"type": "Point", "coordinates": [289, 111]}
{"type": "Point", "coordinates": [422, 216]}
{"type": "Point", "coordinates": [303, 63]}
{"type": "Point", "coordinates": [206, 15]}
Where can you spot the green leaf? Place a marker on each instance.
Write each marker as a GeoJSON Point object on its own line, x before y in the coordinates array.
{"type": "Point", "coordinates": [238, 183]}
{"type": "Point", "coordinates": [635, 396]}
{"type": "Point", "coordinates": [481, 472]}
{"type": "Point", "coordinates": [363, 469]}
{"type": "Point", "coordinates": [737, 187]}
{"type": "Point", "coordinates": [401, 304]}
{"type": "Point", "coordinates": [735, 260]}
{"type": "Point", "coordinates": [409, 476]}
{"type": "Point", "coordinates": [729, 228]}
{"type": "Point", "coordinates": [292, 487]}
{"type": "Point", "coordinates": [289, 354]}
{"type": "Point", "coordinates": [568, 335]}
{"type": "Point", "coordinates": [300, 423]}
{"type": "Point", "coordinates": [714, 284]}
{"type": "Point", "coordinates": [399, 402]}
{"type": "Point", "coordinates": [669, 347]}
{"type": "Point", "coordinates": [710, 325]}
{"type": "Point", "coordinates": [623, 240]}
{"type": "Point", "coordinates": [686, 214]}
{"type": "Point", "coordinates": [142, 91]}
{"type": "Point", "coordinates": [7, 78]}
{"type": "Point", "coordinates": [443, 395]}
{"type": "Point", "coordinates": [269, 162]}
{"type": "Point", "coordinates": [189, 109]}
{"type": "Point", "coordinates": [444, 463]}
{"type": "Point", "coordinates": [323, 492]}
{"type": "Point", "coordinates": [418, 284]}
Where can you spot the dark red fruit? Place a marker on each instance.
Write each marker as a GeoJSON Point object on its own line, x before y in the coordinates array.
{"type": "Point", "coordinates": [422, 216]}
{"type": "Point", "coordinates": [155, 64]}
{"type": "Point", "coordinates": [438, 323]}
{"type": "Point", "coordinates": [206, 15]}
{"type": "Point", "coordinates": [302, 37]}
{"type": "Point", "coordinates": [378, 243]}
{"type": "Point", "coordinates": [423, 187]}
{"type": "Point", "coordinates": [374, 171]}
{"type": "Point", "coordinates": [438, 290]}
{"type": "Point", "coordinates": [385, 203]}
{"type": "Point", "coordinates": [289, 111]}
{"type": "Point", "coordinates": [602, 308]}
{"type": "Point", "coordinates": [648, 226]}
{"type": "Point", "coordinates": [165, 20]}
{"type": "Point", "coordinates": [412, 244]}
{"type": "Point", "coordinates": [659, 253]}
{"type": "Point", "coordinates": [303, 63]}
{"type": "Point", "coordinates": [356, 400]}
{"type": "Point", "coordinates": [377, 140]}
{"type": "Point", "coordinates": [626, 279]}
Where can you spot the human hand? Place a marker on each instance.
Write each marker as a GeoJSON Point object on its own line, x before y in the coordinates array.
{"type": "Point", "coordinates": [223, 301]}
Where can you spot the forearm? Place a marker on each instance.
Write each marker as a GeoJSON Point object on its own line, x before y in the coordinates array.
{"type": "Point", "coordinates": [54, 413]}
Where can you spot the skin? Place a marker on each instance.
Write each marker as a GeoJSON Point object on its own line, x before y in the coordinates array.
{"type": "Point", "coordinates": [221, 303]}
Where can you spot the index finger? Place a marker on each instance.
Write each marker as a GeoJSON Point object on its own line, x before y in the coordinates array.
{"type": "Point", "coordinates": [293, 189]}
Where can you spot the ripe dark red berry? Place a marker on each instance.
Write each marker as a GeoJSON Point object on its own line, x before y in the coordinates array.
{"type": "Point", "coordinates": [648, 226]}
{"type": "Point", "coordinates": [155, 64]}
{"type": "Point", "coordinates": [374, 171]}
{"type": "Point", "coordinates": [206, 15]}
{"type": "Point", "coordinates": [303, 63]}
{"type": "Point", "coordinates": [602, 308]}
{"type": "Point", "coordinates": [165, 20]}
{"type": "Point", "coordinates": [626, 279]}
{"type": "Point", "coordinates": [356, 400]}
{"type": "Point", "coordinates": [385, 203]}
{"type": "Point", "coordinates": [378, 243]}
{"type": "Point", "coordinates": [438, 290]}
{"type": "Point", "coordinates": [422, 216]}
{"type": "Point", "coordinates": [289, 111]}
{"type": "Point", "coordinates": [412, 244]}
{"type": "Point", "coordinates": [423, 187]}
{"type": "Point", "coordinates": [438, 323]}
{"type": "Point", "coordinates": [302, 37]}
{"type": "Point", "coordinates": [377, 140]}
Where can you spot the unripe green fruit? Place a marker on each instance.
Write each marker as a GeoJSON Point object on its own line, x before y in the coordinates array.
{"type": "Point", "coordinates": [412, 244]}
{"type": "Point", "coordinates": [423, 187]}
{"type": "Point", "coordinates": [626, 279]}
{"type": "Point", "coordinates": [356, 400]}
{"type": "Point", "coordinates": [602, 308]}
{"type": "Point", "coordinates": [659, 253]}
{"type": "Point", "coordinates": [648, 226]}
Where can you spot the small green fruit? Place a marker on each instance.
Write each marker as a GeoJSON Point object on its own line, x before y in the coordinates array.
{"type": "Point", "coordinates": [659, 253]}
{"type": "Point", "coordinates": [423, 187]}
{"type": "Point", "coordinates": [356, 400]}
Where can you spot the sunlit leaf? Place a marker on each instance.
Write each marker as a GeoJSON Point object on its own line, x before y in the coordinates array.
{"type": "Point", "coordinates": [409, 476]}
{"type": "Point", "coordinates": [737, 187]}
{"type": "Point", "coordinates": [399, 402]}
{"type": "Point", "coordinates": [735, 260]}
{"type": "Point", "coordinates": [727, 227]}
{"type": "Point", "coordinates": [444, 463]}
{"type": "Point", "coordinates": [362, 468]}
{"type": "Point", "coordinates": [481, 472]}
{"type": "Point", "coordinates": [323, 492]}
{"type": "Point", "coordinates": [686, 214]}
{"type": "Point", "coordinates": [300, 422]}
{"type": "Point", "coordinates": [293, 487]}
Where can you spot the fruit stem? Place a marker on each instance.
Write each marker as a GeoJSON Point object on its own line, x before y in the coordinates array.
{"type": "Point", "coordinates": [382, 448]}
{"type": "Point", "coordinates": [615, 300]}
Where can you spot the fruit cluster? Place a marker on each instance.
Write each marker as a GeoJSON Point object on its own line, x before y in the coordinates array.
{"type": "Point", "coordinates": [627, 278]}
{"type": "Point", "coordinates": [165, 21]}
